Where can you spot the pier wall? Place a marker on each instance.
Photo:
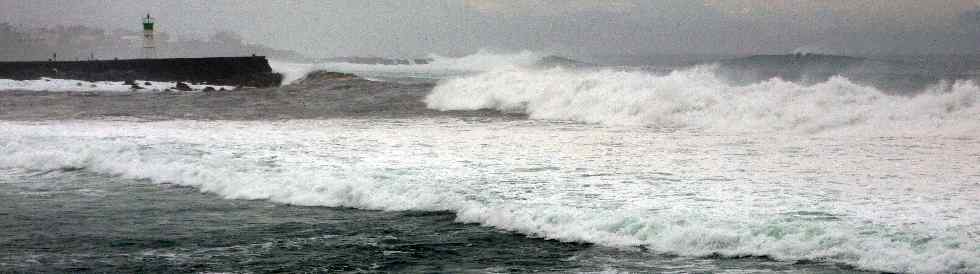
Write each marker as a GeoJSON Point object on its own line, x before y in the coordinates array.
{"type": "Point", "coordinates": [253, 71]}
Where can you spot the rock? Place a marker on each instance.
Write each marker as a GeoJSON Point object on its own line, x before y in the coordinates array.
{"type": "Point", "coordinates": [320, 76]}
{"type": "Point", "coordinates": [222, 89]}
{"type": "Point", "coordinates": [135, 87]}
{"type": "Point", "coordinates": [130, 82]}
{"type": "Point", "coordinates": [183, 87]}
{"type": "Point", "coordinates": [78, 84]}
{"type": "Point", "coordinates": [148, 84]}
{"type": "Point", "coordinates": [208, 89]}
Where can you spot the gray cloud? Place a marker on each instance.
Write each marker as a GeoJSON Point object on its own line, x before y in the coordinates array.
{"type": "Point", "coordinates": [548, 7]}
{"type": "Point", "coordinates": [576, 27]}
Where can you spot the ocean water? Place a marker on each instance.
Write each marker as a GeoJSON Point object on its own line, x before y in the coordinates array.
{"type": "Point", "coordinates": [68, 85]}
{"type": "Point", "coordinates": [499, 168]}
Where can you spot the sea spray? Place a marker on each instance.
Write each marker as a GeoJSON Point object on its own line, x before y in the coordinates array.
{"type": "Point", "coordinates": [698, 98]}
{"type": "Point", "coordinates": [438, 67]}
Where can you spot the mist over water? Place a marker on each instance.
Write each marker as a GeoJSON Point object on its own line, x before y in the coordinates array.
{"type": "Point", "coordinates": [635, 168]}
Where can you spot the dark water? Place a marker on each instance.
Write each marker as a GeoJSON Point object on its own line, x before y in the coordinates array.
{"type": "Point", "coordinates": [77, 221]}
{"type": "Point", "coordinates": [80, 221]}
{"type": "Point", "coordinates": [320, 99]}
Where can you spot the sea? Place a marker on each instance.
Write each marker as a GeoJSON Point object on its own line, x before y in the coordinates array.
{"type": "Point", "coordinates": [501, 163]}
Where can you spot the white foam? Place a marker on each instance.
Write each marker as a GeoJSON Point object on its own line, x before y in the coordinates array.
{"type": "Point", "coordinates": [697, 98]}
{"type": "Point", "coordinates": [902, 203]}
{"type": "Point", "coordinates": [438, 68]}
{"type": "Point", "coordinates": [68, 85]}
{"type": "Point", "coordinates": [291, 71]}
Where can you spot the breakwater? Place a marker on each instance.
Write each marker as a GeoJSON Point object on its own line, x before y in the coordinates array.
{"type": "Point", "coordinates": [251, 71]}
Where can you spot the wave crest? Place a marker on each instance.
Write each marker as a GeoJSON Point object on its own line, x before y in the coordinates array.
{"type": "Point", "coordinates": [437, 67]}
{"type": "Point", "coordinates": [252, 161]}
{"type": "Point", "coordinates": [698, 98]}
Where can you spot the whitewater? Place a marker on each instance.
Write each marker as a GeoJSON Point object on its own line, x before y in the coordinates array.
{"type": "Point", "coordinates": [69, 85]}
{"type": "Point", "coordinates": [677, 167]}
{"type": "Point", "coordinates": [438, 67]}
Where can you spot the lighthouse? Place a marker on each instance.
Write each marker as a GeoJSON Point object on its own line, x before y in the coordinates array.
{"type": "Point", "coordinates": [149, 42]}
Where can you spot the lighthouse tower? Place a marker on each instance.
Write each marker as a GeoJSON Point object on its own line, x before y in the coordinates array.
{"type": "Point", "coordinates": [149, 42]}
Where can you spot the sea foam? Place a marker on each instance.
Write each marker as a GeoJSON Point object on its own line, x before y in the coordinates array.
{"type": "Point", "coordinates": [698, 98]}
{"type": "Point", "coordinates": [608, 186]}
{"type": "Point", "coordinates": [68, 85]}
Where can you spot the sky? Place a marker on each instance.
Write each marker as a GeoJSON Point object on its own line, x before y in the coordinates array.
{"type": "Point", "coordinates": [413, 28]}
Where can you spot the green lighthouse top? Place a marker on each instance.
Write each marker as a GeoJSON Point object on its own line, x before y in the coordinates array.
{"type": "Point", "coordinates": [148, 22]}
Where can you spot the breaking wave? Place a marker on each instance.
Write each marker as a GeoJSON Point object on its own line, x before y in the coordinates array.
{"type": "Point", "coordinates": [698, 98]}
{"type": "Point", "coordinates": [438, 67]}
{"type": "Point", "coordinates": [227, 160]}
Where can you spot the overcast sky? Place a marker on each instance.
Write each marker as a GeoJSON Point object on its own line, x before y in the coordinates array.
{"type": "Point", "coordinates": [325, 28]}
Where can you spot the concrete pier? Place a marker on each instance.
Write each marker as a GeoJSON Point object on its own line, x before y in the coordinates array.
{"type": "Point", "coordinates": [252, 71]}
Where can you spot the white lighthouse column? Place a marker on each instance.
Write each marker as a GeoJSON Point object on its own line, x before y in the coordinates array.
{"type": "Point", "coordinates": [149, 42]}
